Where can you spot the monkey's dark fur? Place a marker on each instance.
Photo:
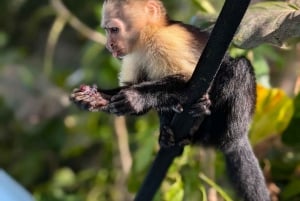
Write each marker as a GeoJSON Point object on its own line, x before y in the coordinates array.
{"type": "Point", "coordinates": [232, 96]}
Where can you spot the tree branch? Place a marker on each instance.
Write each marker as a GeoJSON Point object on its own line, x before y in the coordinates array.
{"type": "Point", "coordinates": [62, 11]}
{"type": "Point", "coordinates": [123, 144]}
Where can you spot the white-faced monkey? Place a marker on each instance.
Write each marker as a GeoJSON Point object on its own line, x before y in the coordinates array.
{"type": "Point", "coordinates": [159, 56]}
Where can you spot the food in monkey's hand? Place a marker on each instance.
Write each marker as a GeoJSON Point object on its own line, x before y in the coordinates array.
{"type": "Point", "coordinates": [88, 98]}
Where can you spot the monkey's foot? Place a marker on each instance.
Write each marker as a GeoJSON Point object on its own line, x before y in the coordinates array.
{"type": "Point", "coordinates": [167, 138]}
{"type": "Point", "coordinates": [201, 107]}
{"type": "Point", "coordinates": [185, 141]}
{"type": "Point", "coordinates": [88, 98]}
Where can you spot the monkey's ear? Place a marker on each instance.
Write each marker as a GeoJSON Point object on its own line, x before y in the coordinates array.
{"type": "Point", "coordinates": [154, 9]}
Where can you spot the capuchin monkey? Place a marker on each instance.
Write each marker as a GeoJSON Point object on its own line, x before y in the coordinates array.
{"type": "Point", "coordinates": [158, 57]}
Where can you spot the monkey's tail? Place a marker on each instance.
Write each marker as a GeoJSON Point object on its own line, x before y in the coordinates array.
{"type": "Point", "coordinates": [245, 173]}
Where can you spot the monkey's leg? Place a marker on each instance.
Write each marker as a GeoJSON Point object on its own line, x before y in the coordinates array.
{"type": "Point", "coordinates": [244, 171]}
{"type": "Point", "coordinates": [233, 101]}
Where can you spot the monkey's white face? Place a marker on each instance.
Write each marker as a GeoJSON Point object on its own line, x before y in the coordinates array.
{"type": "Point", "coordinates": [122, 31]}
{"type": "Point", "coordinates": [116, 42]}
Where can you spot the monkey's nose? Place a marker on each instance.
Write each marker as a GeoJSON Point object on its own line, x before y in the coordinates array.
{"type": "Point", "coordinates": [109, 46]}
{"type": "Point", "coordinates": [112, 46]}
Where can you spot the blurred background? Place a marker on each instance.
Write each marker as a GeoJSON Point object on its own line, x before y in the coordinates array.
{"type": "Point", "coordinates": [60, 153]}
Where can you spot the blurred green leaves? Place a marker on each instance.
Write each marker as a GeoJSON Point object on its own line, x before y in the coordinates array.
{"type": "Point", "coordinates": [3, 39]}
{"type": "Point", "coordinates": [291, 134]}
{"type": "Point", "coordinates": [61, 153]}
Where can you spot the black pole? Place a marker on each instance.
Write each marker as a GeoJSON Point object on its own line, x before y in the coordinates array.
{"type": "Point", "coordinates": [210, 60]}
{"type": "Point", "coordinates": [157, 173]}
{"type": "Point", "coordinates": [207, 67]}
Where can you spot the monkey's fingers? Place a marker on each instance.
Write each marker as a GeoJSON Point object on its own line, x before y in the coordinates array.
{"type": "Point", "coordinates": [120, 108]}
{"type": "Point", "coordinates": [199, 109]}
{"type": "Point", "coordinates": [119, 104]}
{"type": "Point", "coordinates": [89, 103]}
{"type": "Point", "coordinates": [76, 90]}
{"type": "Point", "coordinates": [120, 97]}
{"type": "Point", "coordinates": [166, 137]}
{"type": "Point", "coordinates": [72, 95]}
{"type": "Point", "coordinates": [77, 95]}
{"type": "Point", "coordinates": [94, 108]}
{"type": "Point", "coordinates": [82, 105]}
{"type": "Point", "coordinates": [98, 103]}
{"type": "Point", "coordinates": [177, 108]}
{"type": "Point", "coordinates": [86, 89]}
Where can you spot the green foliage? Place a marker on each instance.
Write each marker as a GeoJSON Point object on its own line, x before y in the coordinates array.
{"type": "Point", "coordinates": [290, 135]}
{"type": "Point", "coordinates": [215, 186]}
{"type": "Point", "coordinates": [60, 153]}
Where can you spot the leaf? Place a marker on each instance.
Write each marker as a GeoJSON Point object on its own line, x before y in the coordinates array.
{"type": "Point", "coordinates": [64, 177]}
{"type": "Point", "coordinates": [205, 5]}
{"type": "Point", "coordinates": [261, 66]}
{"type": "Point", "coordinates": [269, 22]}
{"type": "Point", "coordinates": [291, 134]}
{"type": "Point", "coordinates": [291, 191]}
{"type": "Point", "coordinates": [3, 39]}
{"type": "Point", "coordinates": [204, 21]}
{"type": "Point", "coordinates": [175, 192]}
{"type": "Point", "coordinates": [144, 154]}
{"type": "Point", "coordinates": [274, 110]}
{"type": "Point", "coordinates": [210, 182]}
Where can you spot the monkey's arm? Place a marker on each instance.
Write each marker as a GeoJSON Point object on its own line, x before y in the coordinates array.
{"type": "Point", "coordinates": [166, 94]}
{"type": "Point", "coordinates": [163, 95]}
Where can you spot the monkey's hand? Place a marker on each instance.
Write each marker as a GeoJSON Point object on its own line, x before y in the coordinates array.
{"type": "Point", "coordinates": [129, 101]}
{"type": "Point", "coordinates": [139, 99]}
{"type": "Point", "coordinates": [89, 98]}
{"type": "Point", "coordinates": [201, 107]}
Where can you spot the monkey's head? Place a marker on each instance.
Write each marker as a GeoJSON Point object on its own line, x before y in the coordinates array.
{"type": "Point", "coordinates": [125, 20]}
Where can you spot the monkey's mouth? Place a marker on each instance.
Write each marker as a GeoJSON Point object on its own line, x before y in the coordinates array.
{"type": "Point", "coordinates": [118, 53]}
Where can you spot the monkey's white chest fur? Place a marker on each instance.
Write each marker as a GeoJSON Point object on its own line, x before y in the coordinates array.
{"type": "Point", "coordinates": [163, 54]}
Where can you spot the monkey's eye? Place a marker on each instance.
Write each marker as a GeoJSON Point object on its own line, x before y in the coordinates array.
{"type": "Point", "coordinates": [114, 30]}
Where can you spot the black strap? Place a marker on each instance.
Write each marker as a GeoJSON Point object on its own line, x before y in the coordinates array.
{"type": "Point", "coordinates": [206, 69]}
